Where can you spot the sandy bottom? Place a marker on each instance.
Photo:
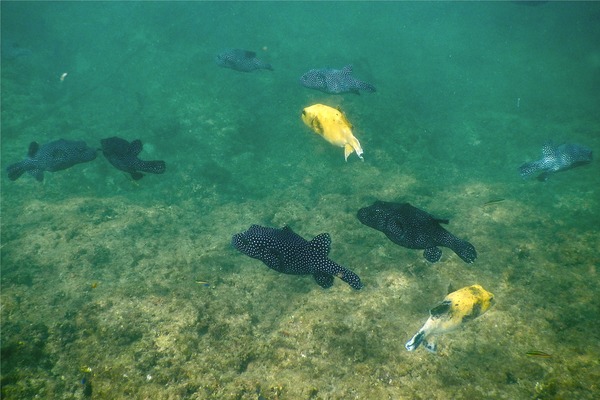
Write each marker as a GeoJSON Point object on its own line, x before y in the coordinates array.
{"type": "Point", "coordinates": [110, 298]}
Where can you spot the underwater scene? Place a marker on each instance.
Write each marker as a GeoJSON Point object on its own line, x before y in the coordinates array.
{"type": "Point", "coordinates": [300, 200]}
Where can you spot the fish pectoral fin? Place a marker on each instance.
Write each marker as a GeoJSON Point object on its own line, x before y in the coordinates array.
{"type": "Point", "coordinates": [432, 254]}
{"type": "Point", "coordinates": [324, 280]}
{"type": "Point", "coordinates": [543, 177]}
{"type": "Point", "coordinates": [316, 126]}
{"type": "Point", "coordinates": [441, 309]}
{"type": "Point", "coordinates": [136, 176]}
{"type": "Point", "coordinates": [430, 346]}
{"type": "Point", "coordinates": [37, 173]}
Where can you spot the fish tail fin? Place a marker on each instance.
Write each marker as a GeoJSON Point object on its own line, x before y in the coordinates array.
{"type": "Point", "coordinates": [16, 170]}
{"type": "Point", "coordinates": [465, 250]}
{"type": "Point", "coordinates": [334, 269]}
{"type": "Point", "coordinates": [530, 168]}
{"type": "Point", "coordinates": [367, 87]}
{"type": "Point", "coordinates": [153, 167]}
{"type": "Point", "coordinates": [347, 151]}
{"type": "Point", "coordinates": [350, 278]}
{"type": "Point", "coordinates": [353, 146]}
{"type": "Point", "coordinates": [416, 341]}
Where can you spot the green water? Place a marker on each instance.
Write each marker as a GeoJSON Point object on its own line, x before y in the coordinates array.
{"type": "Point", "coordinates": [99, 273]}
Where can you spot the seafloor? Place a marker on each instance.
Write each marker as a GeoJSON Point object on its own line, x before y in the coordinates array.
{"type": "Point", "coordinates": [115, 289]}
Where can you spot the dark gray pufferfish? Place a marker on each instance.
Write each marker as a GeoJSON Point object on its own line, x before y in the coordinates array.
{"type": "Point", "coordinates": [557, 158]}
{"type": "Point", "coordinates": [124, 156]}
{"type": "Point", "coordinates": [241, 60]}
{"type": "Point", "coordinates": [54, 156]}
{"type": "Point", "coordinates": [334, 81]}
{"type": "Point", "coordinates": [413, 228]}
{"type": "Point", "coordinates": [289, 253]}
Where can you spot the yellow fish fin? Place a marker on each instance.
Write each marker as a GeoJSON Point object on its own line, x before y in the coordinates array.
{"type": "Point", "coordinates": [344, 119]}
{"type": "Point", "coordinates": [316, 125]}
{"type": "Point", "coordinates": [353, 145]}
{"type": "Point", "coordinates": [347, 151]}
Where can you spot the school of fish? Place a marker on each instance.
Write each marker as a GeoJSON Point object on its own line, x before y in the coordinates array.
{"type": "Point", "coordinates": [283, 250]}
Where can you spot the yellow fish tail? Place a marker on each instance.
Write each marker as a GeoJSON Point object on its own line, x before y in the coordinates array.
{"type": "Point", "coordinates": [354, 145]}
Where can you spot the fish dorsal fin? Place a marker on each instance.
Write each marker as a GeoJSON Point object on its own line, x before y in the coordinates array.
{"type": "Point", "coordinates": [321, 243]}
{"type": "Point", "coordinates": [548, 149]}
{"type": "Point", "coordinates": [136, 147]}
{"type": "Point", "coordinates": [33, 148]}
{"type": "Point", "coordinates": [450, 288]}
{"type": "Point", "coordinates": [287, 229]}
{"type": "Point", "coordinates": [249, 54]}
{"type": "Point", "coordinates": [347, 69]}
{"type": "Point", "coordinates": [441, 308]}
{"type": "Point", "coordinates": [441, 221]}
{"type": "Point", "coordinates": [344, 119]}
{"type": "Point", "coordinates": [58, 154]}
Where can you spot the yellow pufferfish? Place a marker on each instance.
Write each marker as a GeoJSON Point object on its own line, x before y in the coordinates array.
{"type": "Point", "coordinates": [457, 308]}
{"type": "Point", "coordinates": [332, 124]}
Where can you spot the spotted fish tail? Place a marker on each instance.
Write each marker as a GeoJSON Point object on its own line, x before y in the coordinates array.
{"type": "Point", "coordinates": [465, 250]}
{"type": "Point", "coordinates": [530, 168]}
{"type": "Point", "coordinates": [367, 87]}
{"type": "Point", "coordinates": [321, 244]}
{"type": "Point", "coordinates": [153, 167]}
{"type": "Point", "coordinates": [353, 146]}
{"type": "Point", "coordinates": [16, 170]}
{"type": "Point", "coordinates": [333, 269]}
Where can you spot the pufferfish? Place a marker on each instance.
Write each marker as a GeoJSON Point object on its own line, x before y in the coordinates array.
{"type": "Point", "coordinates": [457, 308]}
{"type": "Point", "coordinates": [332, 124]}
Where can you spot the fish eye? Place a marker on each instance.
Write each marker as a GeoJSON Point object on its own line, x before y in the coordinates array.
{"type": "Point", "coordinates": [303, 112]}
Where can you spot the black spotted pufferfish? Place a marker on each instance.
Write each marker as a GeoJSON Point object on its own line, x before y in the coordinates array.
{"type": "Point", "coordinates": [285, 251]}
{"type": "Point", "coordinates": [557, 158]}
{"type": "Point", "coordinates": [54, 156]}
{"type": "Point", "coordinates": [334, 81]}
{"type": "Point", "coordinates": [413, 228]}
